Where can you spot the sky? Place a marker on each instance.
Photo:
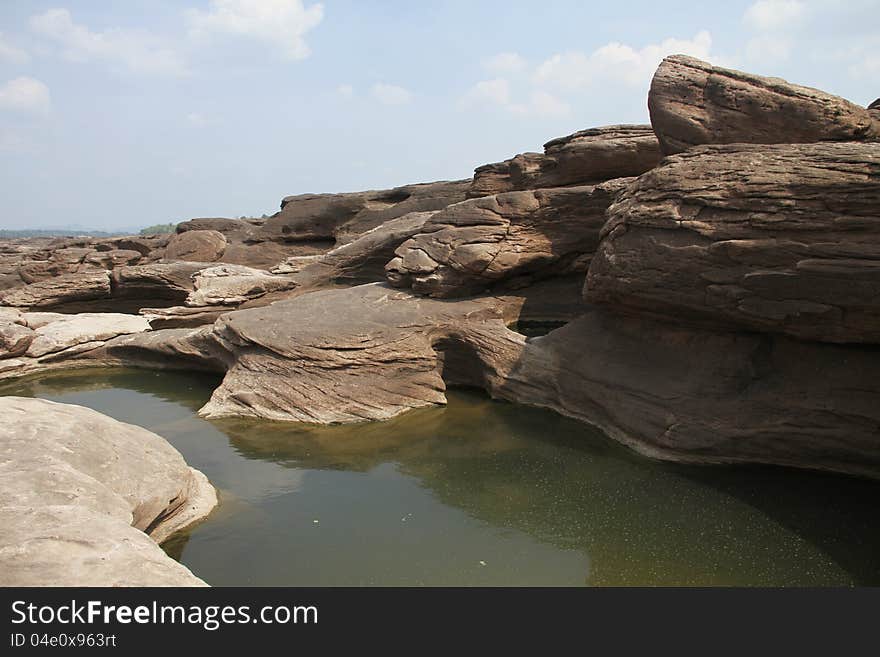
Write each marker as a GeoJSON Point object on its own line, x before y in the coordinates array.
{"type": "Point", "coordinates": [118, 115]}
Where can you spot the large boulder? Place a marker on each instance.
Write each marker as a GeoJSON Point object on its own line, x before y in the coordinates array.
{"type": "Point", "coordinates": [196, 246]}
{"type": "Point", "coordinates": [84, 499]}
{"type": "Point", "coordinates": [524, 235]}
{"type": "Point", "coordinates": [169, 281]}
{"type": "Point", "coordinates": [14, 339]}
{"type": "Point", "coordinates": [782, 238]}
{"type": "Point", "coordinates": [342, 217]}
{"type": "Point", "coordinates": [585, 157]}
{"type": "Point", "coordinates": [692, 102]}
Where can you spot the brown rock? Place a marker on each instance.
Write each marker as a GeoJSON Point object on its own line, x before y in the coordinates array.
{"type": "Point", "coordinates": [60, 290]}
{"type": "Point", "coordinates": [196, 246]}
{"type": "Point", "coordinates": [585, 157]}
{"type": "Point", "coordinates": [341, 217]}
{"type": "Point", "coordinates": [782, 238]}
{"type": "Point", "coordinates": [472, 245]}
{"type": "Point", "coordinates": [14, 339]}
{"type": "Point", "coordinates": [692, 102]}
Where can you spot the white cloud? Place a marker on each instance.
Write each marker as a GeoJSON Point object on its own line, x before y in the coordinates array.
{"type": "Point", "coordinates": [345, 91]}
{"type": "Point", "coordinates": [12, 54]}
{"type": "Point", "coordinates": [546, 104]}
{"type": "Point", "coordinates": [389, 94]}
{"type": "Point", "coordinates": [281, 23]}
{"type": "Point", "coordinates": [197, 119]}
{"type": "Point", "coordinates": [497, 94]}
{"type": "Point", "coordinates": [505, 62]}
{"type": "Point", "coordinates": [27, 95]}
{"type": "Point", "coordinates": [491, 92]}
{"type": "Point", "coordinates": [617, 62]}
{"type": "Point", "coordinates": [767, 15]}
{"type": "Point", "coordinates": [131, 51]}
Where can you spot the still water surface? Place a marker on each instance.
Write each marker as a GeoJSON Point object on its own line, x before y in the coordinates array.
{"type": "Point", "coordinates": [479, 493]}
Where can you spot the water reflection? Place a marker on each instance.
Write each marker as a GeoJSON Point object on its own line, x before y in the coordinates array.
{"type": "Point", "coordinates": [479, 493]}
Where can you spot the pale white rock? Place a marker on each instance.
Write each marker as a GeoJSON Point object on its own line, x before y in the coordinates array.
{"type": "Point", "coordinates": [74, 330]}
{"type": "Point", "coordinates": [85, 498]}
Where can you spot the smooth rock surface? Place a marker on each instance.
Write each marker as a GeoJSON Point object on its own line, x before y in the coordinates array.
{"type": "Point", "coordinates": [84, 498]}
{"type": "Point", "coordinates": [692, 102]}
{"type": "Point", "coordinates": [234, 284]}
{"type": "Point", "coordinates": [83, 328]}
{"type": "Point", "coordinates": [196, 246]}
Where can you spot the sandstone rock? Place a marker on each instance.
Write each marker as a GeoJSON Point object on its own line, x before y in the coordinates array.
{"type": "Point", "coordinates": [471, 245]}
{"type": "Point", "coordinates": [77, 492]}
{"type": "Point", "coordinates": [585, 157]}
{"type": "Point", "coordinates": [234, 284]}
{"type": "Point", "coordinates": [37, 319]}
{"type": "Point", "coordinates": [347, 355]}
{"type": "Point", "coordinates": [112, 258]}
{"type": "Point", "coordinates": [341, 217]}
{"type": "Point", "coordinates": [361, 260]}
{"type": "Point", "coordinates": [196, 246]}
{"type": "Point", "coordinates": [171, 281]}
{"type": "Point", "coordinates": [781, 238]}
{"type": "Point", "coordinates": [692, 102]}
{"type": "Point", "coordinates": [83, 328]}
{"type": "Point", "coordinates": [69, 288]}
{"type": "Point", "coordinates": [698, 396]}
{"type": "Point", "coordinates": [14, 339]}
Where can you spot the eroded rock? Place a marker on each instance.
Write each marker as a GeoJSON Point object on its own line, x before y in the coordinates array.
{"type": "Point", "coordinates": [84, 499]}
{"type": "Point", "coordinates": [586, 157]}
{"type": "Point", "coordinates": [782, 238]}
{"type": "Point", "coordinates": [692, 102]}
{"type": "Point", "coordinates": [196, 246]}
{"type": "Point", "coordinates": [472, 245]}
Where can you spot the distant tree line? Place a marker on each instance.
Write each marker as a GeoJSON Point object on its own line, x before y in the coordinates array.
{"type": "Point", "coordinates": [159, 228]}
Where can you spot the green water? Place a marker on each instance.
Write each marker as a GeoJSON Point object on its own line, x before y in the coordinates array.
{"type": "Point", "coordinates": [480, 493]}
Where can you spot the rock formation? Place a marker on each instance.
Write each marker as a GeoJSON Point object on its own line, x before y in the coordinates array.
{"type": "Point", "coordinates": [471, 245]}
{"type": "Point", "coordinates": [585, 157]}
{"type": "Point", "coordinates": [779, 238]}
{"type": "Point", "coordinates": [692, 102]}
{"type": "Point", "coordinates": [85, 499]}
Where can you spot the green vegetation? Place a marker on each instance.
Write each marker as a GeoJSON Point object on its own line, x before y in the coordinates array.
{"type": "Point", "coordinates": [159, 228]}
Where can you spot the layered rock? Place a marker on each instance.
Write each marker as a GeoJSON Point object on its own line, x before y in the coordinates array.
{"type": "Point", "coordinates": [82, 330]}
{"type": "Point", "coordinates": [472, 245]}
{"type": "Point", "coordinates": [348, 355]}
{"type": "Point", "coordinates": [586, 157]}
{"type": "Point", "coordinates": [84, 499]}
{"type": "Point", "coordinates": [781, 238]}
{"type": "Point", "coordinates": [692, 102]}
{"type": "Point", "coordinates": [341, 217]}
{"type": "Point", "coordinates": [60, 290]}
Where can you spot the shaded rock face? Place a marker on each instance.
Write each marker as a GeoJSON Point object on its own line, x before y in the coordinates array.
{"type": "Point", "coordinates": [172, 282]}
{"type": "Point", "coordinates": [585, 157]}
{"type": "Point", "coordinates": [84, 499]}
{"type": "Point", "coordinates": [472, 245]}
{"type": "Point", "coordinates": [779, 238]}
{"type": "Point", "coordinates": [700, 396]}
{"type": "Point", "coordinates": [692, 102]}
{"type": "Point", "coordinates": [196, 246]}
{"type": "Point", "coordinates": [341, 217]}
{"type": "Point", "coordinates": [60, 290]}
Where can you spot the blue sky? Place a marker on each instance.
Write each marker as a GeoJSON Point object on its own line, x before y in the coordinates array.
{"type": "Point", "coordinates": [123, 114]}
